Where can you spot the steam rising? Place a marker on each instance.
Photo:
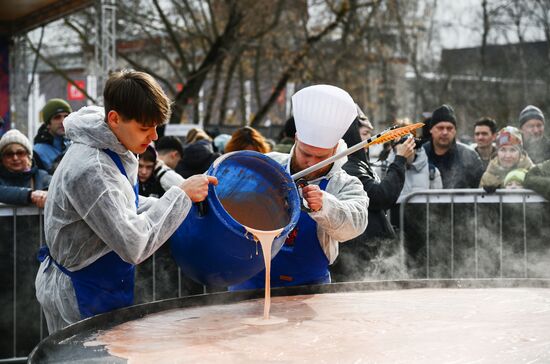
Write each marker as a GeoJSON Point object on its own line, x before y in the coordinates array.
{"type": "Point", "coordinates": [469, 242]}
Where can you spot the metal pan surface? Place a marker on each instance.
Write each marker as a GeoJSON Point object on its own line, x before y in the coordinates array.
{"type": "Point", "coordinates": [409, 321]}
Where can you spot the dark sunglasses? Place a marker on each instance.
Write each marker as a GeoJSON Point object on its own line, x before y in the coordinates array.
{"type": "Point", "coordinates": [19, 154]}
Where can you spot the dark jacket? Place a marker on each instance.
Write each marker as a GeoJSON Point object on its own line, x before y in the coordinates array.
{"type": "Point", "coordinates": [485, 162]}
{"type": "Point", "coordinates": [355, 255]}
{"type": "Point", "coordinates": [460, 167]}
{"type": "Point", "coordinates": [15, 188]}
{"type": "Point", "coordinates": [538, 152]}
{"type": "Point", "coordinates": [196, 159]}
{"type": "Point", "coordinates": [538, 179]}
{"type": "Point", "coordinates": [151, 188]}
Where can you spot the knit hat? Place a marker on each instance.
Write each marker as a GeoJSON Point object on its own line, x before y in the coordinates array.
{"type": "Point", "coordinates": [517, 175]}
{"type": "Point", "coordinates": [530, 112]}
{"type": "Point", "coordinates": [53, 107]}
{"type": "Point", "coordinates": [443, 113]}
{"type": "Point", "coordinates": [15, 136]}
{"type": "Point", "coordinates": [322, 114]}
{"type": "Point", "coordinates": [509, 136]}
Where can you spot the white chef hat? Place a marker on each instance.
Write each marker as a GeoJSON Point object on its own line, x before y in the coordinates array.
{"type": "Point", "coordinates": [322, 114]}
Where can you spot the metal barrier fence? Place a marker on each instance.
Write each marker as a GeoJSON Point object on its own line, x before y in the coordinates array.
{"type": "Point", "coordinates": [467, 233]}
{"type": "Point", "coordinates": [21, 320]}
{"type": "Point", "coordinates": [446, 233]}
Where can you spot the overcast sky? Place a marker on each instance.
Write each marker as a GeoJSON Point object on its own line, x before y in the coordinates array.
{"type": "Point", "coordinates": [460, 25]}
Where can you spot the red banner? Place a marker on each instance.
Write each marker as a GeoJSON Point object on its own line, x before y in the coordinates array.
{"type": "Point", "coordinates": [75, 94]}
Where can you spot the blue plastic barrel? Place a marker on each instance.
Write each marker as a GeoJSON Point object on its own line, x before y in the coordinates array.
{"type": "Point", "coordinates": [253, 189]}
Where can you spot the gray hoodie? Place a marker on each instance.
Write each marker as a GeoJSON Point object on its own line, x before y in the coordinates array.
{"type": "Point", "coordinates": [417, 175]}
{"type": "Point", "coordinates": [90, 211]}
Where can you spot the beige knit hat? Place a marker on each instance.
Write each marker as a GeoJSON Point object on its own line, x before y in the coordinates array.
{"type": "Point", "coordinates": [15, 136]}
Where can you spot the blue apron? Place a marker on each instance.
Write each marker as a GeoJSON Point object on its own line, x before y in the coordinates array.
{"type": "Point", "coordinates": [301, 260]}
{"type": "Point", "coordinates": [107, 283]}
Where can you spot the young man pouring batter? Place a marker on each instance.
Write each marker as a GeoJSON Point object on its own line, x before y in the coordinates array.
{"type": "Point", "coordinates": [96, 226]}
{"type": "Point", "coordinates": [337, 200]}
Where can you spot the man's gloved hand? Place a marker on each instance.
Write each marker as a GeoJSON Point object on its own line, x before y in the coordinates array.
{"type": "Point", "coordinates": [490, 189]}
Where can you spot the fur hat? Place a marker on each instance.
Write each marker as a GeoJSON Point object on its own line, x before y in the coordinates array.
{"type": "Point", "coordinates": [529, 113]}
{"type": "Point", "coordinates": [53, 107]}
{"type": "Point", "coordinates": [15, 136]}
{"type": "Point", "coordinates": [443, 113]}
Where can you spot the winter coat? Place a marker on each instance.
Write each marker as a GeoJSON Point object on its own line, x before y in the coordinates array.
{"type": "Point", "coordinates": [460, 167]}
{"type": "Point", "coordinates": [356, 254]}
{"type": "Point", "coordinates": [538, 179]}
{"type": "Point", "coordinates": [419, 175]}
{"type": "Point", "coordinates": [196, 159]}
{"type": "Point", "coordinates": [48, 148]}
{"type": "Point", "coordinates": [91, 211]}
{"type": "Point", "coordinates": [344, 213]}
{"type": "Point", "coordinates": [16, 188]}
{"type": "Point", "coordinates": [382, 193]}
{"type": "Point", "coordinates": [495, 173]}
{"type": "Point", "coordinates": [538, 152]}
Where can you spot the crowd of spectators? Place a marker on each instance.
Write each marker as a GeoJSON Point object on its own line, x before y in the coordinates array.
{"type": "Point", "coordinates": [498, 158]}
{"type": "Point", "coordinates": [512, 157]}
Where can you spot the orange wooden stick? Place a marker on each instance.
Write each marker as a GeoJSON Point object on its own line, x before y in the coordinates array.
{"type": "Point", "coordinates": [382, 137]}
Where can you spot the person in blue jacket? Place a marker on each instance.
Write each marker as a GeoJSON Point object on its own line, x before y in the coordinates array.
{"type": "Point", "coordinates": [97, 227]}
{"type": "Point", "coordinates": [21, 182]}
{"type": "Point", "coordinates": [50, 142]}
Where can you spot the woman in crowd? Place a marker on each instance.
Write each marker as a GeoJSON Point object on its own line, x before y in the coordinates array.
{"type": "Point", "coordinates": [21, 183]}
{"type": "Point", "coordinates": [510, 156]}
{"type": "Point", "coordinates": [247, 138]}
{"type": "Point", "coordinates": [196, 134]}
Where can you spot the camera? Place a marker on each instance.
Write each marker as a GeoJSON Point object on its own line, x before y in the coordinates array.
{"type": "Point", "coordinates": [417, 141]}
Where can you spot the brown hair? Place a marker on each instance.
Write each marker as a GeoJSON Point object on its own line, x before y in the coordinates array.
{"type": "Point", "coordinates": [196, 134]}
{"type": "Point", "coordinates": [247, 137]}
{"type": "Point", "coordinates": [136, 95]}
{"type": "Point", "coordinates": [150, 154]}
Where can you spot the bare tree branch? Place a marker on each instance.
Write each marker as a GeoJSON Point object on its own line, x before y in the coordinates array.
{"type": "Point", "coordinates": [172, 36]}
{"type": "Point", "coordinates": [293, 66]}
{"type": "Point", "coordinates": [58, 70]}
{"type": "Point", "coordinates": [216, 53]}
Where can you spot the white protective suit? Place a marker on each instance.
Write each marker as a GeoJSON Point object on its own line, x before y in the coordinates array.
{"type": "Point", "coordinates": [344, 215]}
{"type": "Point", "coordinates": [91, 211]}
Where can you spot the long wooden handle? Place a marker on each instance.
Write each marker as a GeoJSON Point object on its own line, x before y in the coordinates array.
{"type": "Point", "coordinates": [385, 136]}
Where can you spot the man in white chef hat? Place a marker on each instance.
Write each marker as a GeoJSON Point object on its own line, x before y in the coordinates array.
{"type": "Point", "coordinates": [337, 202]}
